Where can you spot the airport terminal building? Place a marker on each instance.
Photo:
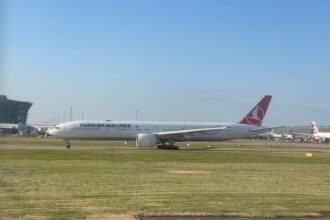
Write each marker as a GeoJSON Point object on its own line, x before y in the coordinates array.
{"type": "Point", "coordinates": [12, 111]}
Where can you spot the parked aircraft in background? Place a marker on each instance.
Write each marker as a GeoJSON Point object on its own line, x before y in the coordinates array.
{"type": "Point", "coordinates": [164, 134]}
{"type": "Point", "coordinates": [320, 136]}
{"type": "Point", "coordinates": [268, 136]}
{"type": "Point", "coordinates": [273, 136]}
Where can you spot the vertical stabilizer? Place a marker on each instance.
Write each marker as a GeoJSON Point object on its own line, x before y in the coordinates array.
{"type": "Point", "coordinates": [257, 113]}
{"type": "Point", "coordinates": [314, 127]}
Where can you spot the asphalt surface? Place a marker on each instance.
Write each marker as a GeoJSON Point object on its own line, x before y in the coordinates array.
{"type": "Point", "coordinates": [253, 146]}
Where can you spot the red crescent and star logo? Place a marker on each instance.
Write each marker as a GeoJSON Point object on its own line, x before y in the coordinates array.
{"type": "Point", "coordinates": [256, 116]}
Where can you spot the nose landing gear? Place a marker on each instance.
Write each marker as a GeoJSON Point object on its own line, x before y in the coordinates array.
{"type": "Point", "coordinates": [68, 145]}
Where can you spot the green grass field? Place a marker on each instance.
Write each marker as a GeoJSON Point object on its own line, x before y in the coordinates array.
{"type": "Point", "coordinates": [62, 184]}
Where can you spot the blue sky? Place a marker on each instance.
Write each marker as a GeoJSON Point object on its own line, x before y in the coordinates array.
{"type": "Point", "coordinates": [173, 60]}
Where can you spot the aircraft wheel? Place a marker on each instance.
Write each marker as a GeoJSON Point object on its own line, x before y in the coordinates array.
{"type": "Point", "coordinates": [174, 147]}
{"type": "Point", "coordinates": [167, 147]}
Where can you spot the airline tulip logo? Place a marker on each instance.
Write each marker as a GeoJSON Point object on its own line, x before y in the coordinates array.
{"type": "Point", "coordinates": [256, 115]}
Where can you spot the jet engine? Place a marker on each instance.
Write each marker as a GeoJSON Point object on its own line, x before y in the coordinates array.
{"type": "Point", "coordinates": [146, 140]}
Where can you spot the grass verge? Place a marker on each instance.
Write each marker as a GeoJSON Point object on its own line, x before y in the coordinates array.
{"type": "Point", "coordinates": [44, 184]}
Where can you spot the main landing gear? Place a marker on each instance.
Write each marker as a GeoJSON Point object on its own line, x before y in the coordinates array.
{"type": "Point", "coordinates": [167, 147]}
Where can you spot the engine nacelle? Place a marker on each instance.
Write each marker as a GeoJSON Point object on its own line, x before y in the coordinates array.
{"type": "Point", "coordinates": [146, 140]}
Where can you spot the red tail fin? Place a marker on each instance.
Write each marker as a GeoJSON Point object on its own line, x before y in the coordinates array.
{"type": "Point", "coordinates": [257, 114]}
{"type": "Point", "coordinates": [315, 129]}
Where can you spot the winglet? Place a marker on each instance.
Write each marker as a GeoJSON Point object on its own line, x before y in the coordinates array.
{"type": "Point", "coordinates": [257, 114]}
{"type": "Point", "coordinates": [315, 129]}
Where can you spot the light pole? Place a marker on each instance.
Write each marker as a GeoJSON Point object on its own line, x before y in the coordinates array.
{"type": "Point", "coordinates": [71, 114]}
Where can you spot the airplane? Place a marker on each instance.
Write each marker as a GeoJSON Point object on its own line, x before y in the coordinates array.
{"type": "Point", "coordinates": [274, 136]}
{"type": "Point", "coordinates": [320, 136]}
{"type": "Point", "coordinates": [270, 135]}
{"type": "Point", "coordinates": [164, 134]}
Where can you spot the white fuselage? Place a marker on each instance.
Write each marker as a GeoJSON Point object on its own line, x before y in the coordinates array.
{"type": "Point", "coordinates": [128, 130]}
{"type": "Point", "coordinates": [322, 135]}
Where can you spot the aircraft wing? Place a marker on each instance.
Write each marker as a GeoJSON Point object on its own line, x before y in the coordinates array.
{"type": "Point", "coordinates": [182, 133]}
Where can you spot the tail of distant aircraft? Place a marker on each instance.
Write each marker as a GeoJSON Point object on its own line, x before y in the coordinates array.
{"type": "Point", "coordinates": [257, 114]}
{"type": "Point", "coordinates": [315, 129]}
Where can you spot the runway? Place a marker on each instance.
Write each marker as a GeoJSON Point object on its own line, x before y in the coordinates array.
{"type": "Point", "coordinates": [242, 146]}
